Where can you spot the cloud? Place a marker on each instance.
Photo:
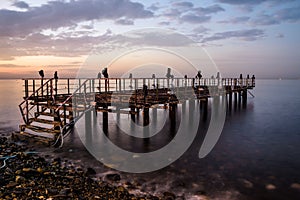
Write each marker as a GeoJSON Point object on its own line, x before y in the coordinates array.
{"type": "Point", "coordinates": [201, 29]}
{"type": "Point", "coordinates": [68, 44]}
{"type": "Point", "coordinates": [252, 2]}
{"type": "Point", "coordinates": [208, 10]}
{"type": "Point", "coordinates": [186, 12]}
{"type": "Point", "coordinates": [236, 20]}
{"type": "Point", "coordinates": [247, 35]}
{"type": "Point", "coordinates": [195, 19]}
{"type": "Point", "coordinates": [20, 4]}
{"type": "Point", "coordinates": [56, 14]}
{"type": "Point", "coordinates": [291, 15]}
{"type": "Point", "coordinates": [124, 22]}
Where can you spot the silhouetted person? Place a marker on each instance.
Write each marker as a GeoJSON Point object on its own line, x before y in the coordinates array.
{"type": "Point", "coordinates": [241, 79]}
{"type": "Point", "coordinates": [218, 75]}
{"type": "Point", "coordinates": [253, 80]}
{"type": "Point", "coordinates": [241, 76]}
{"type": "Point", "coordinates": [185, 76]}
{"type": "Point", "coordinates": [145, 91]}
{"type": "Point", "coordinates": [41, 73]}
{"type": "Point", "coordinates": [248, 77]}
{"type": "Point", "coordinates": [153, 76]}
{"type": "Point", "coordinates": [55, 75]}
{"type": "Point", "coordinates": [169, 75]}
{"type": "Point", "coordinates": [104, 72]}
{"type": "Point", "coordinates": [199, 75]}
{"type": "Point", "coordinates": [99, 75]}
{"type": "Point", "coordinates": [130, 75]}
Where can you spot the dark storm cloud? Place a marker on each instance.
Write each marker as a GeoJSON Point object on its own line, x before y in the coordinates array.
{"type": "Point", "coordinates": [195, 19]}
{"type": "Point", "coordinates": [186, 12]}
{"type": "Point", "coordinates": [248, 35]}
{"type": "Point", "coordinates": [251, 2]}
{"type": "Point", "coordinates": [285, 15]}
{"type": "Point", "coordinates": [236, 20]}
{"type": "Point", "coordinates": [56, 14]}
{"type": "Point", "coordinates": [20, 4]}
{"type": "Point", "coordinates": [124, 22]}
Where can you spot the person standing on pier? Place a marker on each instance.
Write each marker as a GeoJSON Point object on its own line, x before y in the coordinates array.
{"type": "Point", "coordinates": [253, 81]}
{"type": "Point", "coordinates": [105, 74]}
{"type": "Point", "coordinates": [199, 76]}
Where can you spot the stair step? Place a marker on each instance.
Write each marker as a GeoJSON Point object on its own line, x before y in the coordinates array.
{"type": "Point", "coordinates": [41, 129]}
{"type": "Point", "coordinates": [54, 115]}
{"type": "Point", "coordinates": [39, 137]}
{"type": "Point", "coordinates": [44, 121]}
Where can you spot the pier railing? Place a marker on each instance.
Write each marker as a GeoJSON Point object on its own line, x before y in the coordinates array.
{"type": "Point", "coordinates": [69, 85]}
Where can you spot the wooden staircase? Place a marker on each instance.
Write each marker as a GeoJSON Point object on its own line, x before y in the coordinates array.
{"type": "Point", "coordinates": [49, 117]}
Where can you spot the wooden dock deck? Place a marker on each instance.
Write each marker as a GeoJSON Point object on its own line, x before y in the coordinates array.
{"type": "Point", "coordinates": [52, 106]}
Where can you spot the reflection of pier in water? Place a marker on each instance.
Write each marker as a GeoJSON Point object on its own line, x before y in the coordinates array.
{"type": "Point", "coordinates": [52, 106]}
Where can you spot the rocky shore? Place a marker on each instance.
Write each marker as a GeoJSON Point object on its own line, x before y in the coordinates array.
{"type": "Point", "coordinates": [24, 174]}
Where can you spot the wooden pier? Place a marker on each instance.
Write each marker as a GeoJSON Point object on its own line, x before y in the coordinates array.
{"type": "Point", "coordinates": [51, 107]}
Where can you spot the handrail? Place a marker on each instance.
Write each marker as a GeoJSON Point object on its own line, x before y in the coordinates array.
{"type": "Point", "coordinates": [79, 88]}
{"type": "Point", "coordinates": [28, 98]}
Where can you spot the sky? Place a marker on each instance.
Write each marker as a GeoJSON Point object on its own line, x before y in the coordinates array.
{"type": "Point", "coordinates": [258, 37]}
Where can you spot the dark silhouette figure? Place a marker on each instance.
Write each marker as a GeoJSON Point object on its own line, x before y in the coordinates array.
{"type": "Point", "coordinates": [153, 76]}
{"type": "Point", "coordinates": [248, 76]}
{"type": "Point", "coordinates": [130, 75]}
{"type": "Point", "coordinates": [253, 80]}
{"type": "Point", "coordinates": [41, 73]}
{"type": "Point", "coordinates": [199, 75]}
{"type": "Point", "coordinates": [218, 75]}
{"type": "Point", "coordinates": [55, 75]}
{"type": "Point", "coordinates": [241, 76]}
{"type": "Point", "coordinates": [105, 73]}
{"type": "Point", "coordinates": [185, 76]}
{"type": "Point", "coordinates": [169, 75]}
{"type": "Point", "coordinates": [99, 75]}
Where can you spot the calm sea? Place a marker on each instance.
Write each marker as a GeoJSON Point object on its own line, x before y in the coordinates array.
{"type": "Point", "coordinates": [257, 156]}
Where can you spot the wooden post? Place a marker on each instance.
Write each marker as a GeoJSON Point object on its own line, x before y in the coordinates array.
{"type": "Point", "coordinates": [172, 117]}
{"type": "Point", "coordinates": [26, 88]}
{"type": "Point", "coordinates": [33, 87]}
{"type": "Point", "coordinates": [132, 113]}
{"type": "Point", "coordinates": [244, 98]}
{"type": "Point", "coordinates": [88, 120]}
{"type": "Point", "coordinates": [105, 121]}
{"type": "Point", "coordinates": [235, 100]}
{"type": "Point", "coordinates": [146, 116]}
{"type": "Point", "coordinates": [230, 98]}
{"type": "Point", "coordinates": [68, 82]}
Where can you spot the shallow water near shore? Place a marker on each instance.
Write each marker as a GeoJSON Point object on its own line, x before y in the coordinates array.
{"type": "Point", "coordinates": [256, 157]}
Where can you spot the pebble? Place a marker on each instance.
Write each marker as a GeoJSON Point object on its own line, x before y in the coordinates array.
{"type": "Point", "coordinates": [270, 187]}
{"type": "Point", "coordinates": [295, 186]}
{"type": "Point", "coordinates": [113, 177]}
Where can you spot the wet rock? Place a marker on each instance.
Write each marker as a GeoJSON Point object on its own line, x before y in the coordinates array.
{"type": "Point", "coordinates": [113, 177]}
{"type": "Point", "coordinates": [295, 186]}
{"type": "Point", "coordinates": [20, 179]}
{"type": "Point", "coordinates": [90, 171]}
{"type": "Point", "coordinates": [247, 183]}
{"type": "Point", "coordinates": [169, 196]}
{"type": "Point", "coordinates": [270, 187]}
